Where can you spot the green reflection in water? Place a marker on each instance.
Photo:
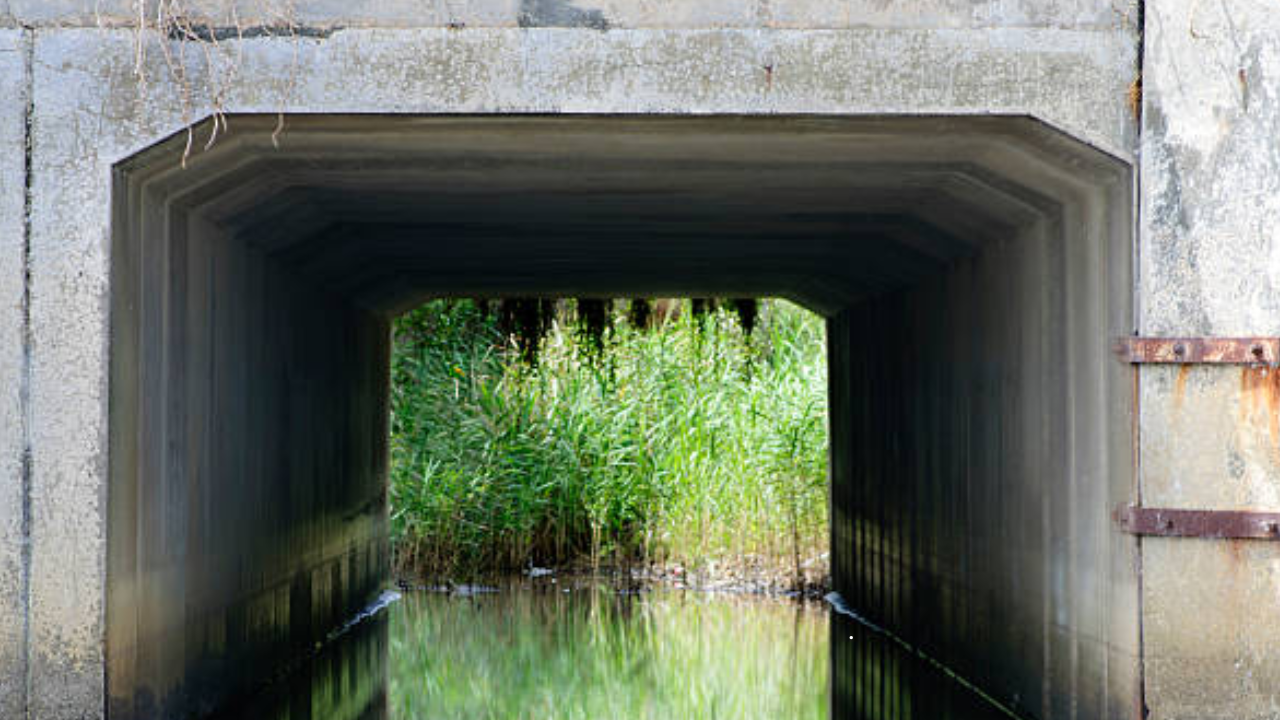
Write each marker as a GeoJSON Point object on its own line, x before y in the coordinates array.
{"type": "Point", "coordinates": [593, 653]}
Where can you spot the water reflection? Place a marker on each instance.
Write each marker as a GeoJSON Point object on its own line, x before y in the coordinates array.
{"type": "Point", "coordinates": [876, 679]}
{"type": "Point", "coordinates": [595, 653]}
{"type": "Point", "coordinates": [345, 680]}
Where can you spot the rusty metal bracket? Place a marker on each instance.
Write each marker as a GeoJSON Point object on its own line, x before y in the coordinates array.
{"type": "Point", "coordinates": [1224, 524]}
{"type": "Point", "coordinates": [1200, 350]}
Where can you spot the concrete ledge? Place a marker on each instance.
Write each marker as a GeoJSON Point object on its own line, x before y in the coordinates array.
{"type": "Point", "coordinates": [614, 14]}
{"type": "Point", "coordinates": [1074, 80]}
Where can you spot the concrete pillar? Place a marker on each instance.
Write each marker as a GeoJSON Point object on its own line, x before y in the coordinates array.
{"type": "Point", "coordinates": [1210, 266]}
{"type": "Point", "coordinates": [15, 46]}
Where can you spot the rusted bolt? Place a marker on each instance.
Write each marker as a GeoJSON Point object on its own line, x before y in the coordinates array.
{"type": "Point", "coordinates": [1271, 527]}
{"type": "Point", "coordinates": [1257, 351]}
{"type": "Point", "coordinates": [1166, 524]}
{"type": "Point", "coordinates": [1179, 349]}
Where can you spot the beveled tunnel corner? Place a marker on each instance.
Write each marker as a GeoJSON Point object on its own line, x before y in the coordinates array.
{"type": "Point", "coordinates": [972, 271]}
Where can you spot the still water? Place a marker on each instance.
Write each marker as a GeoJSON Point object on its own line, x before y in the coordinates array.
{"type": "Point", "coordinates": [595, 652]}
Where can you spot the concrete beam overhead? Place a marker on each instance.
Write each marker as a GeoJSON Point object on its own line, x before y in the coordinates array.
{"type": "Point", "coordinates": [604, 14]}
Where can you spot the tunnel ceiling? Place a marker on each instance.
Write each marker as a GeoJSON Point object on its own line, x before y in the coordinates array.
{"type": "Point", "coordinates": [392, 210]}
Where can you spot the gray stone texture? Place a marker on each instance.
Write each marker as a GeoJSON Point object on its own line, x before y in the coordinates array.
{"type": "Point", "coordinates": [1210, 265]}
{"type": "Point", "coordinates": [1210, 260]}
{"type": "Point", "coordinates": [608, 14]}
{"type": "Point", "coordinates": [14, 86]}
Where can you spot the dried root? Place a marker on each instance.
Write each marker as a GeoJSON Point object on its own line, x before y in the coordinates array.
{"type": "Point", "coordinates": [203, 54]}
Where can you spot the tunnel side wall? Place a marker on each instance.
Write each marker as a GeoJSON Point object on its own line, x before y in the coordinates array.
{"type": "Point", "coordinates": [247, 503]}
{"type": "Point", "coordinates": [980, 438]}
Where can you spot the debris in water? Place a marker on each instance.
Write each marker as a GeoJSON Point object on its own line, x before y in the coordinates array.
{"type": "Point", "coordinates": [470, 590]}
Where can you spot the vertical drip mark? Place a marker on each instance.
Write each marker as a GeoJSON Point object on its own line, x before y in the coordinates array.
{"type": "Point", "coordinates": [24, 392]}
{"type": "Point", "coordinates": [1135, 271]}
{"type": "Point", "coordinates": [1136, 408]}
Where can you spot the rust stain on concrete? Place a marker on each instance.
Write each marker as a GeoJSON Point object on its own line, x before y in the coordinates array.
{"type": "Point", "coordinates": [1260, 393]}
{"type": "Point", "coordinates": [1180, 387]}
{"type": "Point", "coordinates": [1235, 552]}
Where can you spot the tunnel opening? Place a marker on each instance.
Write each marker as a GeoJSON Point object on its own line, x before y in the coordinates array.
{"type": "Point", "coordinates": [972, 272]}
{"type": "Point", "coordinates": [597, 506]}
{"type": "Point", "coordinates": [639, 442]}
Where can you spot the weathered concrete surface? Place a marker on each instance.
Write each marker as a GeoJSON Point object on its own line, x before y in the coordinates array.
{"type": "Point", "coordinates": [90, 113]}
{"type": "Point", "coordinates": [14, 85]}
{"type": "Point", "coordinates": [1210, 440]}
{"type": "Point", "coordinates": [248, 438]}
{"type": "Point", "coordinates": [981, 435]}
{"type": "Point", "coordinates": [1210, 265]}
{"type": "Point", "coordinates": [1074, 80]}
{"type": "Point", "coordinates": [1211, 261]}
{"type": "Point", "coordinates": [614, 14]}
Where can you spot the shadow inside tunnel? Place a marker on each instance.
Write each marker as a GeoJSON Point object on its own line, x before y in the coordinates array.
{"type": "Point", "coordinates": [345, 680]}
{"type": "Point", "coordinates": [872, 678]}
{"type": "Point", "coordinates": [875, 678]}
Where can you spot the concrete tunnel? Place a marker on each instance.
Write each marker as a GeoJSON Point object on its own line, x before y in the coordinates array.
{"type": "Point", "coordinates": [972, 271]}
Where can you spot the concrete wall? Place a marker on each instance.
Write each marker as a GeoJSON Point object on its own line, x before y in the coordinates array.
{"type": "Point", "coordinates": [14, 86]}
{"type": "Point", "coordinates": [981, 436]}
{"type": "Point", "coordinates": [616, 14]}
{"type": "Point", "coordinates": [1067, 63]}
{"type": "Point", "coordinates": [1211, 266]}
{"type": "Point", "coordinates": [247, 504]}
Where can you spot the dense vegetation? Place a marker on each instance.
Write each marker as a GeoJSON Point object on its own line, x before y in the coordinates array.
{"type": "Point", "coordinates": [688, 440]}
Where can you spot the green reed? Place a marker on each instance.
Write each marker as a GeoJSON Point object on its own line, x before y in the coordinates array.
{"type": "Point", "coordinates": [692, 442]}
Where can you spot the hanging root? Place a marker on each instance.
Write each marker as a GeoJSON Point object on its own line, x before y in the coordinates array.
{"type": "Point", "coordinates": [593, 322]}
{"type": "Point", "coordinates": [525, 321]}
{"type": "Point", "coordinates": [200, 59]}
{"type": "Point", "coordinates": [639, 313]}
{"type": "Point", "coordinates": [748, 310]}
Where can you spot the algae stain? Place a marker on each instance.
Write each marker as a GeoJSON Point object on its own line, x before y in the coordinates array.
{"type": "Point", "coordinates": [559, 13]}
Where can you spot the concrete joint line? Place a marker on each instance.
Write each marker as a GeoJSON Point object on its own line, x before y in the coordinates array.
{"type": "Point", "coordinates": [24, 392]}
{"type": "Point", "coordinates": [1141, 709]}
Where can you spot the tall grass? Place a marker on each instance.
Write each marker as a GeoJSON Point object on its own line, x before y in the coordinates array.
{"type": "Point", "coordinates": [693, 442]}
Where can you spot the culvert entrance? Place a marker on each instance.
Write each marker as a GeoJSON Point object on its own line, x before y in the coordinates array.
{"type": "Point", "coordinates": [972, 270]}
